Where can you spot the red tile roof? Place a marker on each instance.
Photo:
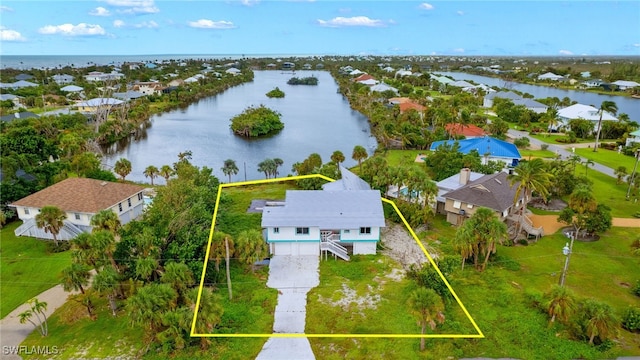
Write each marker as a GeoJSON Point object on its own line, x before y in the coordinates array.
{"type": "Point", "coordinates": [409, 105]}
{"type": "Point", "coordinates": [81, 195]}
{"type": "Point", "coordinates": [469, 130]}
{"type": "Point", "coordinates": [364, 77]}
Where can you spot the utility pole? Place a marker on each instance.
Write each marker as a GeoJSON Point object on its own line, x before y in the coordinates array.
{"type": "Point", "coordinates": [566, 250]}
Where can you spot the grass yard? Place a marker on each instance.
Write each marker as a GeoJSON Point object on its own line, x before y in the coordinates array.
{"type": "Point", "coordinates": [26, 268]}
{"type": "Point", "coordinates": [551, 138]}
{"type": "Point", "coordinates": [609, 193]}
{"type": "Point", "coordinates": [403, 157]}
{"type": "Point", "coordinates": [609, 158]}
{"type": "Point", "coordinates": [528, 153]}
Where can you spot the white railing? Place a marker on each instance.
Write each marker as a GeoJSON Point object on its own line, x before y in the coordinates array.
{"type": "Point", "coordinates": [335, 248]}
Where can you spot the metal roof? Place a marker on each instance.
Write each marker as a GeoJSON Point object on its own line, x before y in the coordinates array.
{"type": "Point", "coordinates": [483, 145]}
{"type": "Point", "coordinates": [349, 181]}
{"type": "Point", "coordinates": [327, 209]}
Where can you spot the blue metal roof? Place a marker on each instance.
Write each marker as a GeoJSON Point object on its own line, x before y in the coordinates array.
{"type": "Point", "coordinates": [484, 145]}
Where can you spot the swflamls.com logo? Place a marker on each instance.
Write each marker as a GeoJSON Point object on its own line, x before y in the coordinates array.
{"type": "Point", "coordinates": [30, 350]}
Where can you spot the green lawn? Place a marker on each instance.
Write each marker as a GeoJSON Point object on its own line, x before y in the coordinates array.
{"type": "Point", "coordinates": [528, 153]}
{"type": "Point", "coordinates": [26, 268]}
{"type": "Point", "coordinates": [551, 138]}
{"type": "Point", "coordinates": [403, 157]}
{"type": "Point", "coordinates": [609, 193]}
{"type": "Point", "coordinates": [609, 158]}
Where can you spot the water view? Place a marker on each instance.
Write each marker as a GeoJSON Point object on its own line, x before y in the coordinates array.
{"type": "Point", "coordinates": [317, 119]}
{"type": "Point", "coordinates": [625, 104]}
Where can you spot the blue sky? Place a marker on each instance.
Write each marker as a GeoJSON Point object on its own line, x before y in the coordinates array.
{"type": "Point", "coordinates": [264, 27]}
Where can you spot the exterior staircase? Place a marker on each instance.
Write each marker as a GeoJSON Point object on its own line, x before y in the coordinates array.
{"type": "Point", "coordinates": [526, 225]}
{"type": "Point", "coordinates": [329, 244]}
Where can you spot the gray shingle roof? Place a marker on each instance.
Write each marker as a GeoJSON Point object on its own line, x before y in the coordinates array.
{"type": "Point", "coordinates": [492, 191]}
{"type": "Point", "coordinates": [349, 181]}
{"type": "Point", "coordinates": [327, 209]}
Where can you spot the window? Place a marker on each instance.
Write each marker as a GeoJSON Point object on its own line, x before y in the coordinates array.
{"type": "Point", "coordinates": [139, 196]}
{"type": "Point", "coordinates": [77, 216]}
{"type": "Point", "coordinates": [26, 211]}
{"type": "Point", "coordinates": [120, 207]}
{"type": "Point", "coordinates": [276, 230]}
{"type": "Point", "coordinates": [302, 231]}
{"type": "Point", "coordinates": [456, 204]}
{"type": "Point", "coordinates": [365, 230]}
{"type": "Point", "coordinates": [347, 231]}
{"type": "Point", "coordinates": [129, 202]}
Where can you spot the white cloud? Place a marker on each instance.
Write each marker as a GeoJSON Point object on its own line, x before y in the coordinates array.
{"type": "Point", "coordinates": [81, 29]}
{"type": "Point", "coordinates": [351, 21]}
{"type": "Point", "coordinates": [249, 2]}
{"type": "Point", "coordinates": [460, 12]}
{"type": "Point", "coordinates": [4, 8]}
{"type": "Point", "coordinates": [143, 25]}
{"type": "Point", "coordinates": [10, 35]}
{"type": "Point", "coordinates": [636, 44]}
{"type": "Point", "coordinates": [210, 24]}
{"type": "Point", "coordinates": [458, 50]}
{"type": "Point", "coordinates": [426, 6]}
{"type": "Point", "coordinates": [134, 6]}
{"type": "Point", "coordinates": [565, 52]}
{"type": "Point", "coordinates": [118, 23]}
{"type": "Point", "coordinates": [99, 11]}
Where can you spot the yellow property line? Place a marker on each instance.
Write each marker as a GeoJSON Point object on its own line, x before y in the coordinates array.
{"type": "Point", "coordinates": [297, 335]}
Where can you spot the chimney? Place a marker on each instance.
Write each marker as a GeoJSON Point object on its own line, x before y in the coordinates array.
{"type": "Point", "coordinates": [465, 175]}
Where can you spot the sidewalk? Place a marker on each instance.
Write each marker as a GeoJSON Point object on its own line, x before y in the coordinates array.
{"type": "Point", "coordinates": [13, 333]}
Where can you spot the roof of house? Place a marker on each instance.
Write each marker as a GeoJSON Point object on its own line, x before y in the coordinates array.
{"type": "Point", "coordinates": [4, 97]}
{"type": "Point", "coordinates": [80, 195]}
{"type": "Point", "coordinates": [503, 95]}
{"type": "Point", "coordinates": [550, 75]}
{"type": "Point", "coordinates": [635, 133]}
{"type": "Point", "coordinates": [383, 87]}
{"type": "Point", "coordinates": [127, 95]}
{"type": "Point", "coordinates": [101, 102]}
{"type": "Point", "coordinates": [492, 191]}
{"type": "Point", "coordinates": [24, 77]}
{"type": "Point", "coordinates": [399, 100]}
{"type": "Point", "coordinates": [20, 115]}
{"type": "Point", "coordinates": [327, 209]}
{"type": "Point", "coordinates": [364, 77]}
{"type": "Point", "coordinates": [626, 83]}
{"type": "Point", "coordinates": [587, 112]}
{"type": "Point", "coordinates": [368, 82]}
{"type": "Point", "coordinates": [23, 83]}
{"type": "Point", "coordinates": [72, 88]}
{"type": "Point", "coordinates": [406, 106]}
{"type": "Point", "coordinates": [452, 183]}
{"type": "Point", "coordinates": [529, 103]}
{"type": "Point", "coordinates": [468, 130]}
{"type": "Point", "coordinates": [63, 77]}
{"type": "Point", "coordinates": [461, 83]}
{"type": "Point", "coordinates": [349, 181]}
{"type": "Point", "coordinates": [483, 145]}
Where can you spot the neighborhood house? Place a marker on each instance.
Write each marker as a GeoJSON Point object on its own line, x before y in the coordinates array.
{"type": "Point", "coordinates": [80, 199]}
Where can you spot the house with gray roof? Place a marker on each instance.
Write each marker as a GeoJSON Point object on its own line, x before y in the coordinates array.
{"type": "Point", "coordinates": [532, 105]}
{"type": "Point", "coordinates": [451, 183]}
{"type": "Point", "coordinates": [491, 191]}
{"type": "Point", "coordinates": [488, 99]}
{"type": "Point", "coordinates": [24, 77]}
{"type": "Point", "coordinates": [346, 216]}
{"type": "Point", "coordinates": [18, 116]}
{"type": "Point", "coordinates": [62, 78]}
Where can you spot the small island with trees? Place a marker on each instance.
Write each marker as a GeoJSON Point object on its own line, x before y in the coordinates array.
{"type": "Point", "coordinates": [311, 80]}
{"type": "Point", "coordinates": [256, 121]}
{"type": "Point", "coordinates": [276, 93]}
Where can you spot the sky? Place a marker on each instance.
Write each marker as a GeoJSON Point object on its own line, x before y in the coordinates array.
{"type": "Point", "coordinates": [320, 27]}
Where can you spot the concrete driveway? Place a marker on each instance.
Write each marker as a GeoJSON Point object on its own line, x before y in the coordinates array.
{"type": "Point", "coordinates": [293, 276]}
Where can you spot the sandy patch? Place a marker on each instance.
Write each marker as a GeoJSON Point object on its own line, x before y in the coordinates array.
{"type": "Point", "coordinates": [401, 246]}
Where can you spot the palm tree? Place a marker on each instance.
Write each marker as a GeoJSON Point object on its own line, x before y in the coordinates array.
{"type": "Point", "coordinates": [279, 162]}
{"type": "Point", "coordinates": [75, 277]}
{"type": "Point", "coordinates": [587, 163]}
{"type": "Point", "coordinates": [251, 247]}
{"type": "Point", "coordinates": [428, 307]}
{"type": "Point", "coordinates": [561, 303]}
{"type": "Point", "coordinates": [179, 277]}
{"type": "Point", "coordinates": [600, 320]}
{"type": "Point", "coordinates": [230, 168]}
{"type": "Point", "coordinates": [222, 246]}
{"type": "Point", "coordinates": [122, 167]}
{"type": "Point", "coordinates": [359, 154]}
{"type": "Point", "coordinates": [610, 107]}
{"type": "Point", "coordinates": [151, 172]}
{"type": "Point", "coordinates": [37, 308]}
{"type": "Point", "coordinates": [166, 171]}
{"type": "Point", "coordinates": [106, 282]}
{"type": "Point", "coordinates": [51, 219]}
{"type": "Point", "coordinates": [208, 315]}
{"type": "Point", "coordinates": [530, 176]}
{"type": "Point", "coordinates": [337, 157]}
{"type": "Point", "coordinates": [581, 202]}
{"type": "Point", "coordinates": [106, 220]}
{"type": "Point", "coordinates": [482, 231]}
{"type": "Point", "coordinates": [620, 173]}
{"type": "Point", "coordinates": [148, 305]}
{"type": "Point", "coordinates": [464, 243]}
{"type": "Point", "coordinates": [104, 243]}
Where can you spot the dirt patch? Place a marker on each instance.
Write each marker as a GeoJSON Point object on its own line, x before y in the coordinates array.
{"type": "Point", "coordinates": [549, 223]}
{"type": "Point", "coordinates": [402, 247]}
{"type": "Point", "coordinates": [551, 205]}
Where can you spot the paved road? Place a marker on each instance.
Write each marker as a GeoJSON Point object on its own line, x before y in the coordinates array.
{"type": "Point", "coordinates": [561, 150]}
{"type": "Point", "coordinates": [13, 333]}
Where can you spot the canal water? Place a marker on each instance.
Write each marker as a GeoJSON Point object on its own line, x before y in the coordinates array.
{"type": "Point", "coordinates": [627, 105]}
{"type": "Point", "coordinates": [317, 119]}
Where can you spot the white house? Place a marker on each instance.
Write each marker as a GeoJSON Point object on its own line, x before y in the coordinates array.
{"type": "Point", "coordinates": [345, 214]}
{"type": "Point", "coordinates": [550, 76]}
{"type": "Point", "coordinates": [634, 138]}
{"type": "Point", "coordinates": [100, 76]}
{"type": "Point", "coordinates": [62, 79]}
{"type": "Point", "coordinates": [80, 199]}
{"type": "Point", "coordinates": [532, 105]}
{"type": "Point", "coordinates": [624, 85]}
{"type": "Point", "coordinates": [148, 87]}
{"type": "Point", "coordinates": [580, 111]}
{"type": "Point", "coordinates": [488, 99]}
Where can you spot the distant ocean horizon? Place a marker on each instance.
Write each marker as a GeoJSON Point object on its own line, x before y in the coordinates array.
{"type": "Point", "coordinates": [25, 62]}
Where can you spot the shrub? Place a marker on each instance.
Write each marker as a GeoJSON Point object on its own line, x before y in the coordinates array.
{"type": "Point", "coordinates": [276, 93]}
{"type": "Point", "coordinates": [636, 289]}
{"type": "Point", "coordinates": [522, 142]}
{"type": "Point", "coordinates": [256, 121]}
{"type": "Point", "coordinates": [631, 319]}
{"type": "Point", "coordinates": [544, 146]}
